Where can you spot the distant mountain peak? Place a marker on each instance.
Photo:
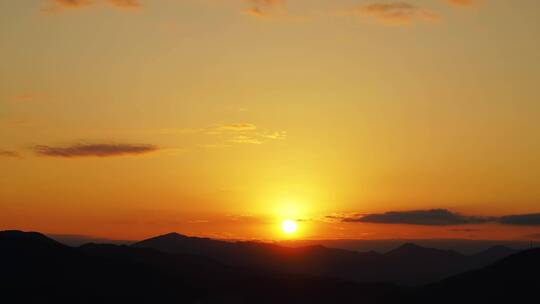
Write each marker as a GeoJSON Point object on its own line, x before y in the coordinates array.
{"type": "Point", "coordinates": [173, 235]}
{"type": "Point", "coordinates": [495, 253]}
{"type": "Point", "coordinates": [499, 249]}
{"type": "Point", "coordinates": [408, 247]}
{"type": "Point", "coordinates": [411, 246]}
{"type": "Point", "coordinates": [23, 235]}
{"type": "Point", "coordinates": [413, 250]}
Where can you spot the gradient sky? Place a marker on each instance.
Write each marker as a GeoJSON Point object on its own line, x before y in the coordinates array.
{"type": "Point", "coordinates": [126, 118]}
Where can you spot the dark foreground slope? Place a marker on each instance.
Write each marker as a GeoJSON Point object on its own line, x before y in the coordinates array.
{"type": "Point", "coordinates": [515, 279]}
{"type": "Point", "coordinates": [36, 269]}
{"type": "Point", "coordinates": [408, 264]}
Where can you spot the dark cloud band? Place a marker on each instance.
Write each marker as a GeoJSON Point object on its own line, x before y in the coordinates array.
{"type": "Point", "coordinates": [434, 217]}
{"type": "Point", "coordinates": [443, 217]}
{"type": "Point", "coordinates": [532, 219]}
{"type": "Point", "coordinates": [96, 150]}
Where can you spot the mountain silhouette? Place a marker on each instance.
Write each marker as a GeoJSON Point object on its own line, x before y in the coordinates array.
{"type": "Point", "coordinates": [514, 279]}
{"type": "Point", "coordinates": [408, 264]}
{"type": "Point", "coordinates": [409, 250]}
{"type": "Point", "coordinates": [495, 253]}
{"type": "Point", "coordinates": [36, 269]}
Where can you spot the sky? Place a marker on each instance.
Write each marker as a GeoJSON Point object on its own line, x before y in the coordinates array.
{"type": "Point", "coordinates": [359, 119]}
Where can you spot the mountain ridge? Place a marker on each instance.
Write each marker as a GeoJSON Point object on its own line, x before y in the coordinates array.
{"type": "Point", "coordinates": [408, 264]}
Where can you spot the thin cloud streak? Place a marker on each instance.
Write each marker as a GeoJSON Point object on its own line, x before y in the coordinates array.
{"type": "Point", "coordinates": [73, 3]}
{"type": "Point", "coordinates": [463, 3]}
{"type": "Point", "coordinates": [395, 13]}
{"type": "Point", "coordinates": [94, 150]}
{"type": "Point", "coordinates": [10, 154]}
{"type": "Point", "coordinates": [390, 13]}
{"type": "Point", "coordinates": [265, 8]}
{"type": "Point", "coordinates": [236, 127]}
{"type": "Point", "coordinates": [61, 5]}
{"type": "Point", "coordinates": [234, 133]}
{"type": "Point", "coordinates": [126, 4]}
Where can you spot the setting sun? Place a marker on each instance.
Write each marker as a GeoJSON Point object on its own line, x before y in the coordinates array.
{"type": "Point", "coordinates": [289, 226]}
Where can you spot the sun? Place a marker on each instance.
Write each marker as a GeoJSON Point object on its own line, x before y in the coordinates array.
{"type": "Point", "coordinates": [289, 226]}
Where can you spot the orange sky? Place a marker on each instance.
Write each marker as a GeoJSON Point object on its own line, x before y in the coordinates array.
{"type": "Point", "coordinates": [125, 119]}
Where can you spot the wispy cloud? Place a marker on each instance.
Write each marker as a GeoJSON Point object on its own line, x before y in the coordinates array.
{"type": "Point", "coordinates": [126, 4]}
{"type": "Point", "coordinates": [94, 150]}
{"type": "Point", "coordinates": [11, 154]}
{"type": "Point", "coordinates": [57, 6]}
{"type": "Point", "coordinates": [233, 133]}
{"type": "Point", "coordinates": [73, 3]}
{"type": "Point", "coordinates": [236, 127]}
{"type": "Point", "coordinates": [463, 3]}
{"type": "Point", "coordinates": [442, 217]}
{"type": "Point", "coordinates": [386, 12]}
{"type": "Point", "coordinates": [26, 97]}
{"type": "Point", "coordinates": [265, 8]}
{"type": "Point", "coordinates": [256, 137]}
{"type": "Point", "coordinates": [247, 133]}
{"type": "Point", "coordinates": [61, 5]}
{"type": "Point", "coordinates": [395, 13]}
{"type": "Point", "coordinates": [243, 139]}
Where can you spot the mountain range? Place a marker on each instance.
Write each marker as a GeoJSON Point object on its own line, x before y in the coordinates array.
{"type": "Point", "coordinates": [408, 264]}
{"type": "Point", "coordinates": [178, 269]}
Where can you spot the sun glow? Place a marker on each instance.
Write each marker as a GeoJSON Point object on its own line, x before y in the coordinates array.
{"type": "Point", "coordinates": [289, 226]}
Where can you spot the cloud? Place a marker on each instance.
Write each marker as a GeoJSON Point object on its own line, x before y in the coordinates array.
{"type": "Point", "coordinates": [264, 8]}
{"type": "Point", "coordinates": [243, 139]}
{"type": "Point", "coordinates": [433, 217]}
{"type": "Point", "coordinates": [11, 154]}
{"type": "Point", "coordinates": [231, 133]}
{"type": "Point", "coordinates": [245, 133]}
{"type": "Point", "coordinates": [396, 13]}
{"type": "Point", "coordinates": [95, 150]}
{"type": "Point", "coordinates": [442, 217]}
{"type": "Point", "coordinates": [256, 12]}
{"type": "Point", "coordinates": [60, 5]}
{"type": "Point", "coordinates": [258, 138]}
{"type": "Point", "coordinates": [463, 3]}
{"type": "Point", "coordinates": [126, 4]}
{"type": "Point", "coordinates": [275, 135]}
{"type": "Point", "coordinates": [532, 219]}
{"type": "Point", "coordinates": [236, 127]}
{"type": "Point", "coordinates": [25, 97]}
{"type": "Point", "coordinates": [73, 3]}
